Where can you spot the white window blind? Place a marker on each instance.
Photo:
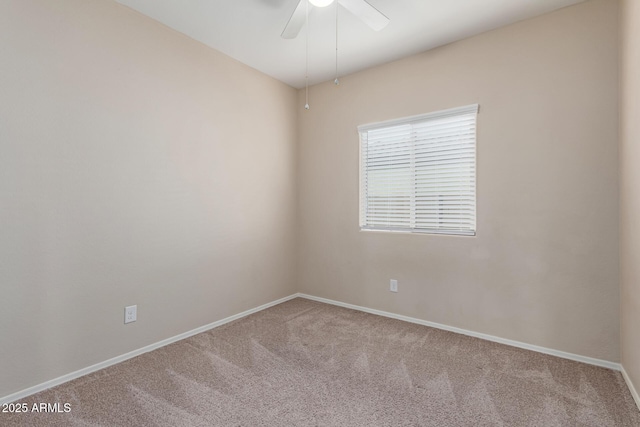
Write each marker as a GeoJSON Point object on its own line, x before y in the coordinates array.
{"type": "Point", "coordinates": [418, 174]}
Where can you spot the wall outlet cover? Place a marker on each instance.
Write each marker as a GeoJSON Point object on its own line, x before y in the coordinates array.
{"type": "Point", "coordinates": [130, 314]}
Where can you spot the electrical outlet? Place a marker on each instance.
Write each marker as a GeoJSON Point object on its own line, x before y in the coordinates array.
{"type": "Point", "coordinates": [393, 285]}
{"type": "Point", "coordinates": [130, 314]}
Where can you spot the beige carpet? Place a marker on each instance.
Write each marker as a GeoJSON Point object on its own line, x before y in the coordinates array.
{"type": "Point", "coordinates": [304, 363]}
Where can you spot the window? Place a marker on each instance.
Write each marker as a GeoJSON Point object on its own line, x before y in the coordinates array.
{"type": "Point", "coordinates": [418, 174]}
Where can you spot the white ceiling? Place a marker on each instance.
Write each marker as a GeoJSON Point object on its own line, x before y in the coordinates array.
{"type": "Point", "coordinates": [249, 30]}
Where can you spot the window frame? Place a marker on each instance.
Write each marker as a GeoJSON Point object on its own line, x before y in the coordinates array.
{"type": "Point", "coordinates": [421, 118]}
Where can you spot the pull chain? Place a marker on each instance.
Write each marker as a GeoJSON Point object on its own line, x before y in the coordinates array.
{"type": "Point", "coordinates": [336, 81]}
{"type": "Point", "coordinates": [306, 72]}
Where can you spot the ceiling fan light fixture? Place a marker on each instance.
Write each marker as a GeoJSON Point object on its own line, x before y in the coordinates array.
{"type": "Point", "coordinates": [321, 3]}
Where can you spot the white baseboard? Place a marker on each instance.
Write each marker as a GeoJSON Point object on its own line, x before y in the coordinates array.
{"type": "Point", "coordinates": [93, 368]}
{"type": "Point", "coordinates": [73, 375]}
{"type": "Point", "coordinates": [562, 354]}
{"type": "Point", "coordinates": [632, 389]}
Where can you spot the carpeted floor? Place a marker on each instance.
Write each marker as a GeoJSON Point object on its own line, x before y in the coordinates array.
{"type": "Point", "coordinates": [304, 363]}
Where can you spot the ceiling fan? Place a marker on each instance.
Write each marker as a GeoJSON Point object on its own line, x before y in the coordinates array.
{"type": "Point", "coordinates": [360, 8]}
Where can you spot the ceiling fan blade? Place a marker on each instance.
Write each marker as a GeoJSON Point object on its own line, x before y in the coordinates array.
{"type": "Point", "coordinates": [367, 13]}
{"type": "Point", "coordinates": [296, 22]}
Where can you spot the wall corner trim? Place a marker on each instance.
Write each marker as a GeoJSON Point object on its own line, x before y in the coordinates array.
{"type": "Point", "coordinates": [632, 389]}
{"type": "Point", "coordinates": [115, 360]}
{"type": "Point", "coordinates": [575, 357]}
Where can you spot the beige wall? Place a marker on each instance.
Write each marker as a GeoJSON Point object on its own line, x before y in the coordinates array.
{"type": "Point", "coordinates": [137, 166]}
{"type": "Point", "coordinates": [140, 167]}
{"type": "Point", "coordinates": [630, 188]}
{"type": "Point", "coordinates": [543, 268]}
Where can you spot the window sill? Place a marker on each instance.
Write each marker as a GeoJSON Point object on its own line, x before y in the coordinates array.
{"type": "Point", "coordinates": [419, 232]}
